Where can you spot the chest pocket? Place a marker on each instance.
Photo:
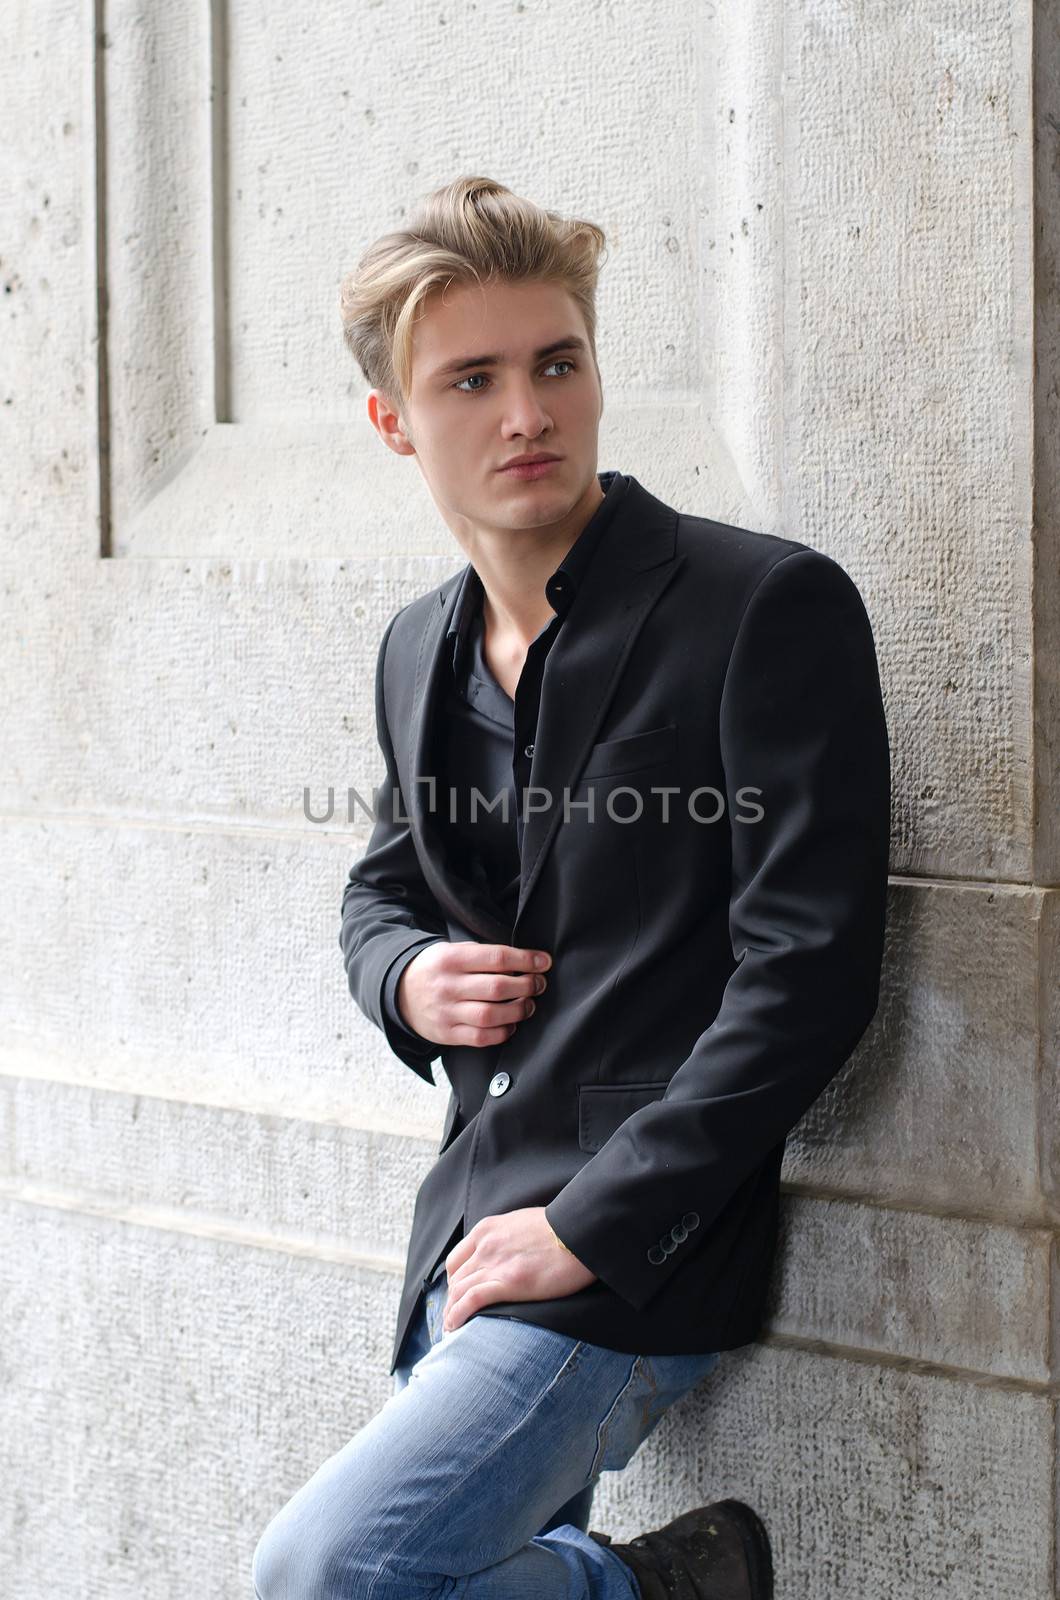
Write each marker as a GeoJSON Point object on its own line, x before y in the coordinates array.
{"type": "Point", "coordinates": [631, 752]}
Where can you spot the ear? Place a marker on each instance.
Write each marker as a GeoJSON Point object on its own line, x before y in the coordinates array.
{"type": "Point", "coordinates": [389, 424]}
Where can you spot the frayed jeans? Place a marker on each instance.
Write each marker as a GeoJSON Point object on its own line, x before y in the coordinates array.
{"type": "Point", "coordinates": [476, 1478]}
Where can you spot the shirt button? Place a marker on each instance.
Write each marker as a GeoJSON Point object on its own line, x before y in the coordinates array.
{"type": "Point", "coordinates": [499, 1083]}
{"type": "Point", "coordinates": [529, 750]}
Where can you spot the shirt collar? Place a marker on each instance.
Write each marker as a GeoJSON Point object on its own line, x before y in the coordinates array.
{"type": "Point", "coordinates": [561, 587]}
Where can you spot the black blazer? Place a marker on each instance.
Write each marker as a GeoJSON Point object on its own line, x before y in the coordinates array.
{"type": "Point", "coordinates": [714, 964]}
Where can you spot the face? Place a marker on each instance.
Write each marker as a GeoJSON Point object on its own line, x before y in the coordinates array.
{"type": "Point", "coordinates": [466, 417]}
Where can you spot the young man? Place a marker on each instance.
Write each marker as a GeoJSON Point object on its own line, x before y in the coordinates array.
{"type": "Point", "coordinates": [627, 879]}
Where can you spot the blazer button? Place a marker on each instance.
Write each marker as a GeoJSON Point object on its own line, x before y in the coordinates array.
{"type": "Point", "coordinates": [656, 1255]}
{"type": "Point", "coordinates": [499, 1083]}
{"type": "Point", "coordinates": [690, 1220]}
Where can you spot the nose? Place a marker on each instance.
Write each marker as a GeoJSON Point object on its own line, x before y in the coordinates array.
{"type": "Point", "coordinates": [524, 415]}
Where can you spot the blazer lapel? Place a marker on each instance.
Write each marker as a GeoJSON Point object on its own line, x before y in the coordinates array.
{"type": "Point", "coordinates": [631, 567]}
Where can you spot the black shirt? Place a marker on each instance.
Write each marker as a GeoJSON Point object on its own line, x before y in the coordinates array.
{"type": "Point", "coordinates": [485, 741]}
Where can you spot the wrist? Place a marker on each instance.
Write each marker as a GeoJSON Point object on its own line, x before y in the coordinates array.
{"type": "Point", "coordinates": [557, 1238]}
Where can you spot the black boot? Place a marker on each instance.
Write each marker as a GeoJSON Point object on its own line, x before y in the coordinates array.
{"type": "Point", "coordinates": [717, 1552]}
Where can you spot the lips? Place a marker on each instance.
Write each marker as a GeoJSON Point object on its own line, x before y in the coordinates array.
{"type": "Point", "coordinates": [529, 471]}
{"type": "Point", "coordinates": [528, 461]}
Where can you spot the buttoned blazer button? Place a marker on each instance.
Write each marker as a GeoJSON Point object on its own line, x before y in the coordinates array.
{"type": "Point", "coordinates": [690, 1220]}
{"type": "Point", "coordinates": [499, 1083]}
{"type": "Point", "coordinates": [656, 1255]}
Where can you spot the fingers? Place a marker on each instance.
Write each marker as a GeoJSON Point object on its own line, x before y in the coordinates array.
{"type": "Point", "coordinates": [483, 1292]}
{"type": "Point", "coordinates": [495, 986]}
{"type": "Point", "coordinates": [493, 972]}
{"type": "Point", "coordinates": [471, 956]}
{"type": "Point", "coordinates": [487, 989]}
{"type": "Point", "coordinates": [483, 1023]}
{"type": "Point", "coordinates": [486, 1014]}
{"type": "Point", "coordinates": [467, 1033]}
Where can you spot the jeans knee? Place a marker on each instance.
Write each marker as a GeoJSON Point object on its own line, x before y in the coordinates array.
{"type": "Point", "coordinates": [286, 1566]}
{"type": "Point", "coordinates": [269, 1566]}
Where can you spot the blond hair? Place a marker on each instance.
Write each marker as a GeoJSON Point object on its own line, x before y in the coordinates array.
{"type": "Point", "coordinates": [472, 229]}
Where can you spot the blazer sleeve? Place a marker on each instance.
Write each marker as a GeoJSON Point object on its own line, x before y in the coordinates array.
{"type": "Point", "coordinates": [801, 718]}
{"type": "Point", "coordinates": [388, 912]}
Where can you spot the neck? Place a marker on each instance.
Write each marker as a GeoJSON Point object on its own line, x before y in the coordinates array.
{"type": "Point", "coordinates": [514, 567]}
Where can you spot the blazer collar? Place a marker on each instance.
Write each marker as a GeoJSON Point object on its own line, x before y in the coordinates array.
{"type": "Point", "coordinates": [635, 561]}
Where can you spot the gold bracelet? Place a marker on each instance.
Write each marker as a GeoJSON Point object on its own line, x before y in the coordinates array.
{"type": "Point", "coordinates": [557, 1238]}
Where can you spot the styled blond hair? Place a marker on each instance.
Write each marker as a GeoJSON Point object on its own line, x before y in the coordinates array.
{"type": "Point", "coordinates": [471, 230]}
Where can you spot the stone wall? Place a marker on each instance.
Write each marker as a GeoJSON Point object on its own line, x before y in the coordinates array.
{"type": "Point", "coordinates": [830, 311]}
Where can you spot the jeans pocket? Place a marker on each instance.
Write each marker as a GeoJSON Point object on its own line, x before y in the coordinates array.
{"type": "Point", "coordinates": [434, 1307]}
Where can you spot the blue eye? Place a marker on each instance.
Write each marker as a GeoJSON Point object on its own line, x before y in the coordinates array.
{"type": "Point", "coordinates": [561, 361]}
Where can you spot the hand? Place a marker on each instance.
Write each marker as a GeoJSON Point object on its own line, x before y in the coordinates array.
{"type": "Point", "coordinates": [463, 992]}
{"type": "Point", "coordinates": [515, 1256]}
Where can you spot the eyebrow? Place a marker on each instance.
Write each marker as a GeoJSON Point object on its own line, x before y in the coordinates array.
{"type": "Point", "coordinates": [462, 363]}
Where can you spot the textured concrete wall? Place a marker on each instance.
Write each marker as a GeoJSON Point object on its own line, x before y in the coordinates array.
{"type": "Point", "coordinates": [831, 310]}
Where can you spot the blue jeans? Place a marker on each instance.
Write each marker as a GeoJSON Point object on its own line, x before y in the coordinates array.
{"type": "Point", "coordinates": [476, 1477]}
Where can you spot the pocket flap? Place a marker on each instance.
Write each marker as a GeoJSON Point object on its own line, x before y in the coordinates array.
{"type": "Point", "coordinates": [631, 752]}
{"type": "Point", "coordinates": [604, 1107]}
